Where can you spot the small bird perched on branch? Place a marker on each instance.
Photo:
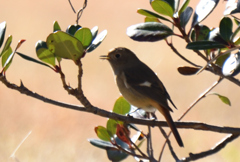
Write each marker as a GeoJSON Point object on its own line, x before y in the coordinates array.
{"type": "Point", "coordinates": [140, 86]}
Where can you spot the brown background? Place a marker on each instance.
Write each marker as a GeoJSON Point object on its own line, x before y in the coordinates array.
{"type": "Point", "coordinates": [60, 134]}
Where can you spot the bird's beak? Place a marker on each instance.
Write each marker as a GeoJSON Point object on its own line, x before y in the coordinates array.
{"type": "Point", "coordinates": [104, 57]}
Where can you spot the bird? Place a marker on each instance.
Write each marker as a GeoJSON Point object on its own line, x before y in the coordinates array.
{"type": "Point", "coordinates": [140, 86]}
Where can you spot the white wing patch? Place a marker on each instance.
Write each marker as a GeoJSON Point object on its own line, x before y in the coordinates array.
{"type": "Point", "coordinates": [146, 84]}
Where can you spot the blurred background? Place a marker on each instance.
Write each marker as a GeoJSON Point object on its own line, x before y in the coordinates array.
{"type": "Point", "coordinates": [60, 134]}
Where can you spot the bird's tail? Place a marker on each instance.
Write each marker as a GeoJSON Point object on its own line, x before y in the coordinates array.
{"type": "Point", "coordinates": [173, 127]}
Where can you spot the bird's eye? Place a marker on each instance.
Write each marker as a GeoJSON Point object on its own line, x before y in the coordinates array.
{"type": "Point", "coordinates": [117, 55]}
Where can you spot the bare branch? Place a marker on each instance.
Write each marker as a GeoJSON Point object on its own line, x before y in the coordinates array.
{"type": "Point", "coordinates": [215, 149]}
{"type": "Point", "coordinates": [127, 119]}
{"type": "Point", "coordinates": [71, 6]}
{"type": "Point", "coordinates": [79, 13]}
{"type": "Point", "coordinates": [169, 145]}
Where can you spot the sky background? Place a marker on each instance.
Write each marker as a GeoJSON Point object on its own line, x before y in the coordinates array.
{"type": "Point", "coordinates": [60, 134]}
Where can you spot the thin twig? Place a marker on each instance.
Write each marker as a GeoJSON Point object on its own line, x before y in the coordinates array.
{"type": "Point", "coordinates": [24, 139]}
{"type": "Point", "coordinates": [181, 56]}
{"type": "Point", "coordinates": [169, 145]}
{"type": "Point", "coordinates": [215, 149]}
{"type": "Point", "coordinates": [71, 6]}
{"type": "Point", "coordinates": [79, 13]}
{"type": "Point", "coordinates": [191, 106]}
{"type": "Point", "coordinates": [130, 153]}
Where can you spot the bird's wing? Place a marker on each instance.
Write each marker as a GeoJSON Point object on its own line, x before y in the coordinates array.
{"type": "Point", "coordinates": [147, 83]}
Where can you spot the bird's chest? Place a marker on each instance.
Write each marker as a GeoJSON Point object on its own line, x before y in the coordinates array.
{"type": "Point", "coordinates": [131, 95]}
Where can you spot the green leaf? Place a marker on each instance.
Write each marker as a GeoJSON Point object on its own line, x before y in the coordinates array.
{"type": "Point", "coordinates": [151, 19]}
{"type": "Point", "coordinates": [202, 32]}
{"type": "Point", "coordinates": [72, 29]}
{"type": "Point", "coordinates": [203, 9]}
{"type": "Point", "coordinates": [2, 32]}
{"type": "Point", "coordinates": [7, 44]}
{"type": "Point", "coordinates": [102, 133]}
{"type": "Point", "coordinates": [149, 31]}
{"type": "Point", "coordinates": [162, 7]}
{"type": "Point", "coordinates": [97, 41]}
{"type": "Point", "coordinates": [185, 16]}
{"type": "Point", "coordinates": [56, 26]}
{"type": "Point", "coordinates": [203, 45]}
{"type": "Point", "coordinates": [183, 7]}
{"type": "Point", "coordinates": [223, 98]}
{"type": "Point", "coordinates": [84, 35]}
{"type": "Point", "coordinates": [226, 28]}
{"type": "Point", "coordinates": [221, 60]}
{"type": "Point", "coordinates": [151, 14]}
{"type": "Point", "coordinates": [65, 46]}
{"type": "Point", "coordinates": [121, 106]}
{"type": "Point", "coordinates": [5, 56]}
{"type": "Point", "coordinates": [111, 127]}
{"type": "Point", "coordinates": [32, 59]}
{"type": "Point", "coordinates": [44, 54]}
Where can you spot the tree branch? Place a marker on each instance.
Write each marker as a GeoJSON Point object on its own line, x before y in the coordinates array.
{"type": "Point", "coordinates": [127, 119]}
{"type": "Point", "coordinates": [215, 149]}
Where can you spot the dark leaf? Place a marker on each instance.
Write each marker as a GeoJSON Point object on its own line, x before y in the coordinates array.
{"type": "Point", "coordinates": [118, 155]}
{"type": "Point", "coordinates": [203, 45]}
{"type": "Point", "coordinates": [183, 7]}
{"type": "Point", "coordinates": [149, 31]}
{"type": "Point", "coordinates": [101, 144]}
{"type": "Point", "coordinates": [231, 66]}
{"type": "Point", "coordinates": [226, 28]}
{"type": "Point", "coordinates": [185, 16]}
{"type": "Point", "coordinates": [237, 9]}
{"type": "Point", "coordinates": [72, 29]}
{"type": "Point", "coordinates": [151, 14]}
{"type": "Point", "coordinates": [215, 36]}
{"type": "Point", "coordinates": [230, 6]}
{"type": "Point", "coordinates": [94, 32]}
{"type": "Point", "coordinates": [163, 7]}
{"type": "Point", "coordinates": [97, 41]}
{"type": "Point", "coordinates": [2, 32]}
{"type": "Point", "coordinates": [203, 9]}
{"type": "Point", "coordinates": [186, 70]}
{"type": "Point", "coordinates": [32, 59]}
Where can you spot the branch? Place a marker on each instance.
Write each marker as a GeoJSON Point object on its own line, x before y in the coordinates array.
{"type": "Point", "coordinates": [127, 119]}
{"type": "Point", "coordinates": [215, 149]}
